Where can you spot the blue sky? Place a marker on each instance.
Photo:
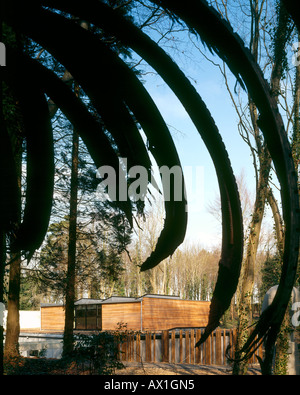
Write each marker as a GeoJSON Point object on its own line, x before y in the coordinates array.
{"type": "Point", "coordinates": [203, 228]}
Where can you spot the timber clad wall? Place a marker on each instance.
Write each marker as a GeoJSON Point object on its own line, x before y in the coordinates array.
{"type": "Point", "coordinates": [161, 314]}
{"type": "Point", "coordinates": [53, 318]}
{"type": "Point", "coordinates": [149, 312]}
{"type": "Point", "coordinates": [126, 313]}
{"type": "Point", "coordinates": [155, 314]}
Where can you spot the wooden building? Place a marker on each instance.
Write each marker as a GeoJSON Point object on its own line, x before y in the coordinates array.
{"type": "Point", "coordinates": [52, 317]}
{"type": "Point", "coordinates": [149, 312]}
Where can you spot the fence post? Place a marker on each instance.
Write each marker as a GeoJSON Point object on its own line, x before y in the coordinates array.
{"type": "Point", "coordinates": [173, 346]}
{"type": "Point", "coordinates": [198, 349]}
{"type": "Point", "coordinates": [208, 350]}
{"type": "Point", "coordinates": [165, 346]}
{"type": "Point", "coordinates": [154, 348]}
{"type": "Point", "coordinates": [128, 347]}
{"type": "Point", "coordinates": [192, 341]}
{"type": "Point", "coordinates": [187, 347]}
{"type": "Point", "coordinates": [138, 348]}
{"type": "Point", "coordinates": [148, 346]}
{"type": "Point", "coordinates": [180, 347]}
{"type": "Point", "coordinates": [224, 347]}
{"type": "Point", "coordinates": [218, 347]}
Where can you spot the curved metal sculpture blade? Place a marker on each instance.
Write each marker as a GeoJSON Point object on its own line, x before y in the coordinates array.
{"type": "Point", "coordinates": [91, 132]}
{"type": "Point", "coordinates": [232, 247]}
{"type": "Point", "coordinates": [10, 196]}
{"type": "Point", "coordinates": [162, 147]}
{"type": "Point", "coordinates": [40, 159]}
{"type": "Point", "coordinates": [217, 34]}
{"type": "Point", "coordinates": [160, 141]}
{"type": "Point", "coordinates": [200, 17]}
{"type": "Point", "coordinates": [78, 68]}
{"type": "Point", "coordinates": [293, 9]}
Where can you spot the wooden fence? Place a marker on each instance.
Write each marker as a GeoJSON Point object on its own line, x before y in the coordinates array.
{"type": "Point", "coordinates": [178, 346]}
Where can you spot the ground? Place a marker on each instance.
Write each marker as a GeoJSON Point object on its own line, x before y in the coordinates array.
{"type": "Point", "coordinates": [42, 366]}
{"type": "Point", "coordinates": [133, 368]}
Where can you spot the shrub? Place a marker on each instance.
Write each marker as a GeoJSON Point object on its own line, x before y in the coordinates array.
{"type": "Point", "coordinates": [98, 352]}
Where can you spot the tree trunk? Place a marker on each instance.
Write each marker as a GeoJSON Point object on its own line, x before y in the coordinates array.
{"type": "Point", "coordinates": [282, 344]}
{"type": "Point", "coordinates": [279, 232]}
{"type": "Point", "coordinates": [11, 349]}
{"type": "Point", "coordinates": [262, 193]}
{"type": "Point", "coordinates": [13, 320]}
{"type": "Point", "coordinates": [296, 125]}
{"type": "Point", "coordinates": [2, 267]}
{"type": "Point", "coordinates": [71, 273]}
{"type": "Point", "coordinates": [246, 293]}
{"type": "Point", "coordinates": [68, 343]}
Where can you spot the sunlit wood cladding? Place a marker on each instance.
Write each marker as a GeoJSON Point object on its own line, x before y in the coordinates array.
{"type": "Point", "coordinates": [149, 312]}
{"type": "Point", "coordinates": [123, 313]}
{"type": "Point", "coordinates": [160, 314]}
{"type": "Point", "coordinates": [52, 318]}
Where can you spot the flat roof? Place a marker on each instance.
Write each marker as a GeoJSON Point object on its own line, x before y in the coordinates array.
{"type": "Point", "coordinates": [114, 299]}
{"type": "Point", "coordinates": [51, 304]}
{"type": "Point", "coordinates": [159, 296]}
{"type": "Point", "coordinates": [88, 301]}
{"type": "Point", "coordinates": [119, 299]}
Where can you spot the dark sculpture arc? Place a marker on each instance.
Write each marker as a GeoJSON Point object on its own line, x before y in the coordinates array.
{"type": "Point", "coordinates": [40, 160]}
{"type": "Point", "coordinates": [85, 123]}
{"type": "Point", "coordinates": [8, 200]}
{"type": "Point", "coordinates": [219, 37]}
{"type": "Point", "coordinates": [293, 9]}
{"type": "Point", "coordinates": [232, 248]}
{"type": "Point", "coordinates": [159, 137]}
{"type": "Point", "coordinates": [200, 17]}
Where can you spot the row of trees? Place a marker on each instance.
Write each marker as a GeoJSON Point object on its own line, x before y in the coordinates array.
{"type": "Point", "coordinates": [101, 271]}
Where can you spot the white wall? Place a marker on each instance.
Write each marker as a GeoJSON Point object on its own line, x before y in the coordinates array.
{"type": "Point", "coordinates": [28, 319]}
